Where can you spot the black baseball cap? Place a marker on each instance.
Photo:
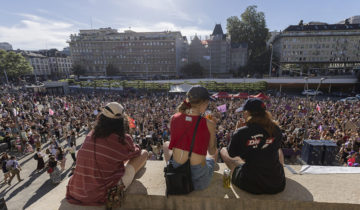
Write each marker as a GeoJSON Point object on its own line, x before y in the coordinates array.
{"type": "Point", "coordinates": [253, 105]}
{"type": "Point", "coordinates": [199, 92]}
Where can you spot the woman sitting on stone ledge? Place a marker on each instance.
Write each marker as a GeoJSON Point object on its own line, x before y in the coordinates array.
{"type": "Point", "coordinates": [108, 159]}
{"type": "Point", "coordinates": [182, 128]}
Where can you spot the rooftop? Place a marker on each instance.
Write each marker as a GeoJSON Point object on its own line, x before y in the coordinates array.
{"type": "Point", "coordinates": [322, 27]}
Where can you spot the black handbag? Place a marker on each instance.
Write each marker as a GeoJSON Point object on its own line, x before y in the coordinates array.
{"type": "Point", "coordinates": [178, 180]}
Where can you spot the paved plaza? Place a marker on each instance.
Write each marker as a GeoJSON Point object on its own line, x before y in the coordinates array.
{"type": "Point", "coordinates": [20, 195]}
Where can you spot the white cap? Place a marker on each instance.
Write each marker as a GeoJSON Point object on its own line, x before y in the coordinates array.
{"type": "Point", "coordinates": [113, 110]}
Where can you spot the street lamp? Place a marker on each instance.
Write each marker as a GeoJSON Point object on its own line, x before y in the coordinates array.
{"type": "Point", "coordinates": [307, 107]}
{"type": "Point", "coordinates": [271, 55]}
{"type": "Point", "coordinates": [317, 89]}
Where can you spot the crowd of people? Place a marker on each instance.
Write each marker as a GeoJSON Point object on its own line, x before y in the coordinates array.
{"type": "Point", "coordinates": [31, 122]}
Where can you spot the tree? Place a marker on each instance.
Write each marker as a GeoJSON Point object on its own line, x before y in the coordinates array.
{"type": "Point", "coordinates": [251, 28]}
{"type": "Point", "coordinates": [14, 64]}
{"type": "Point", "coordinates": [193, 70]}
{"type": "Point", "coordinates": [111, 70]}
{"type": "Point", "coordinates": [78, 70]}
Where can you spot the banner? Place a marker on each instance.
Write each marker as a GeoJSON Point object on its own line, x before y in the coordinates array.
{"type": "Point", "coordinates": [222, 108]}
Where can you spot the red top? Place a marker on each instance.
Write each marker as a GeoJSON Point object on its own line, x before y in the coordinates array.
{"type": "Point", "coordinates": [182, 129]}
{"type": "Point", "coordinates": [89, 183]}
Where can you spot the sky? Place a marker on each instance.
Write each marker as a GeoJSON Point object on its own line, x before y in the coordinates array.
{"type": "Point", "coordinates": [44, 24]}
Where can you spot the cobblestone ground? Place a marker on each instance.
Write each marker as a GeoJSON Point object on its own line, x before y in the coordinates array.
{"type": "Point", "coordinates": [21, 195]}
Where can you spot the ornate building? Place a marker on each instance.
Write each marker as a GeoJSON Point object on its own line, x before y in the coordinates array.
{"type": "Point", "coordinates": [318, 49]}
{"type": "Point", "coordinates": [131, 54]}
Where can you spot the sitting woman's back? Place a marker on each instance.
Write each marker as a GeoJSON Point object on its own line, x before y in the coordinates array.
{"type": "Point", "coordinates": [100, 161]}
{"type": "Point", "coordinates": [182, 128]}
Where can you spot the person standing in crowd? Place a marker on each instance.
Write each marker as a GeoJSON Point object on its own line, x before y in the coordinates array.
{"type": "Point", "coordinates": [7, 139]}
{"type": "Point", "coordinates": [254, 155]}
{"type": "Point", "coordinates": [4, 159]}
{"type": "Point", "coordinates": [72, 150]}
{"type": "Point", "coordinates": [73, 138]}
{"type": "Point", "coordinates": [60, 156]}
{"type": "Point", "coordinates": [100, 164]}
{"type": "Point", "coordinates": [14, 168]}
{"type": "Point", "coordinates": [40, 160]}
{"type": "Point", "coordinates": [53, 170]}
{"type": "Point", "coordinates": [182, 129]}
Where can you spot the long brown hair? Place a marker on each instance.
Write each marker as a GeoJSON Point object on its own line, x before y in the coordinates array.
{"type": "Point", "coordinates": [105, 126]}
{"type": "Point", "coordinates": [265, 120]}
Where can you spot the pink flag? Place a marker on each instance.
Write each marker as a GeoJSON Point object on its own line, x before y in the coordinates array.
{"type": "Point", "coordinates": [66, 106]}
{"type": "Point", "coordinates": [320, 128]}
{"type": "Point", "coordinates": [318, 108]}
{"type": "Point", "coordinates": [222, 108]}
{"type": "Point", "coordinates": [51, 112]}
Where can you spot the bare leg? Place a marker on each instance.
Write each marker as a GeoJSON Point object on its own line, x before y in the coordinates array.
{"type": "Point", "coordinates": [139, 161]}
{"type": "Point", "coordinates": [281, 157]}
{"type": "Point", "coordinates": [167, 151]}
{"type": "Point", "coordinates": [230, 162]}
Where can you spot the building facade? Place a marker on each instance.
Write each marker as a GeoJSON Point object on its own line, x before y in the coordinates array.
{"type": "Point", "coordinates": [60, 64]}
{"type": "Point", "coordinates": [131, 54]}
{"type": "Point", "coordinates": [318, 49]}
{"type": "Point", "coordinates": [5, 46]}
{"type": "Point", "coordinates": [40, 64]}
{"type": "Point", "coordinates": [238, 56]}
{"type": "Point", "coordinates": [218, 47]}
{"type": "Point", "coordinates": [213, 54]}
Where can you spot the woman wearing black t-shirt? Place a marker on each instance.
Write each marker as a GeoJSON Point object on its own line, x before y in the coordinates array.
{"type": "Point", "coordinates": [254, 155]}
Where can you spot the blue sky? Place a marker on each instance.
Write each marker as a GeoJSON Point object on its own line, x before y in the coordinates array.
{"type": "Point", "coordinates": [40, 24]}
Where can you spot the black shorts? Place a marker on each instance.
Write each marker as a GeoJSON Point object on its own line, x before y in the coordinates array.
{"type": "Point", "coordinates": [236, 174]}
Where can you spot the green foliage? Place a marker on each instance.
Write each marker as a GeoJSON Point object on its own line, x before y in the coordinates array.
{"type": "Point", "coordinates": [251, 28]}
{"type": "Point", "coordinates": [14, 64]}
{"type": "Point", "coordinates": [111, 70]}
{"type": "Point", "coordinates": [78, 70]}
{"type": "Point", "coordinates": [193, 70]}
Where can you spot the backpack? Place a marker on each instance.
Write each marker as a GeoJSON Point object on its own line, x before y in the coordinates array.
{"type": "Point", "coordinates": [36, 156]}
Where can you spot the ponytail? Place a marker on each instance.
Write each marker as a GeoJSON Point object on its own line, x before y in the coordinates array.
{"type": "Point", "coordinates": [183, 106]}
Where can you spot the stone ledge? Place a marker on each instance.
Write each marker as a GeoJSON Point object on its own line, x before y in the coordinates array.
{"type": "Point", "coordinates": [335, 191]}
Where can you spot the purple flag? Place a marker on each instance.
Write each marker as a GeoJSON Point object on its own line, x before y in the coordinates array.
{"type": "Point", "coordinates": [222, 108]}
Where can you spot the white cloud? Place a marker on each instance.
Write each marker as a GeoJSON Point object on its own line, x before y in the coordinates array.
{"type": "Point", "coordinates": [35, 32]}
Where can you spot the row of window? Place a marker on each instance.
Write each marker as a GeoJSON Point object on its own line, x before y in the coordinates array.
{"type": "Point", "coordinates": [124, 44]}
{"type": "Point", "coordinates": [319, 46]}
{"type": "Point", "coordinates": [322, 39]}
{"type": "Point", "coordinates": [323, 59]}
{"type": "Point", "coordinates": [349, 53]}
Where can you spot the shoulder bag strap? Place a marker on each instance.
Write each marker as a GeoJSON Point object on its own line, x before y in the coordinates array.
{"type": "Point", "coordinates": [193, 138]}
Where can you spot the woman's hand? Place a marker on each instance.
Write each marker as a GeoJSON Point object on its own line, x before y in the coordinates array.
{"type": "Point", "coordinates": [240, 123]}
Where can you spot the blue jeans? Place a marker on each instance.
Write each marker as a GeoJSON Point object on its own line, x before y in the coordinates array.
{"type": "Point", "coordinates": [200, 175]}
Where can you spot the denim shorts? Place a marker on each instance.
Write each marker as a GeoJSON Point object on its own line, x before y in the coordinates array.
{"type": "Point", "coordinates": [200, 175]}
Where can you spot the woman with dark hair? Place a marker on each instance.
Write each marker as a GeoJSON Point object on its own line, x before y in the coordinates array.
{"type": "Point", "coordinates": [107, 161]}
{"type": "Point", "coordinates": [254, 155]}
{"type": "Point", "coordinates": [40, 160]}
{"type": "Point", "coordinates": [182, 127]}
{"type": "Point", "coordinates": [53, 170]}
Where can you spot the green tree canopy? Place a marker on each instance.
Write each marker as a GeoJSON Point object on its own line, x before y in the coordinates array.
{"type": "Point", "coordinates": [250, 28]}
{"type": "Point", "coordinates": [14, 64]}
{"type": "Point", "coordinates": [78, 70]}
{"type": "Point", "coordinates": [193, 70]}
{"type": "Point", "coordinates": [111, 70]}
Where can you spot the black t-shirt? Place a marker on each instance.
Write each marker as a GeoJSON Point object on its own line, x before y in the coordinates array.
{"type": "Point", "coordinates": [262, 172]}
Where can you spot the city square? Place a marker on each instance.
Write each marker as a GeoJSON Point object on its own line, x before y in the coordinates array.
{"type": "Point", "coordinates": [264, 113]}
